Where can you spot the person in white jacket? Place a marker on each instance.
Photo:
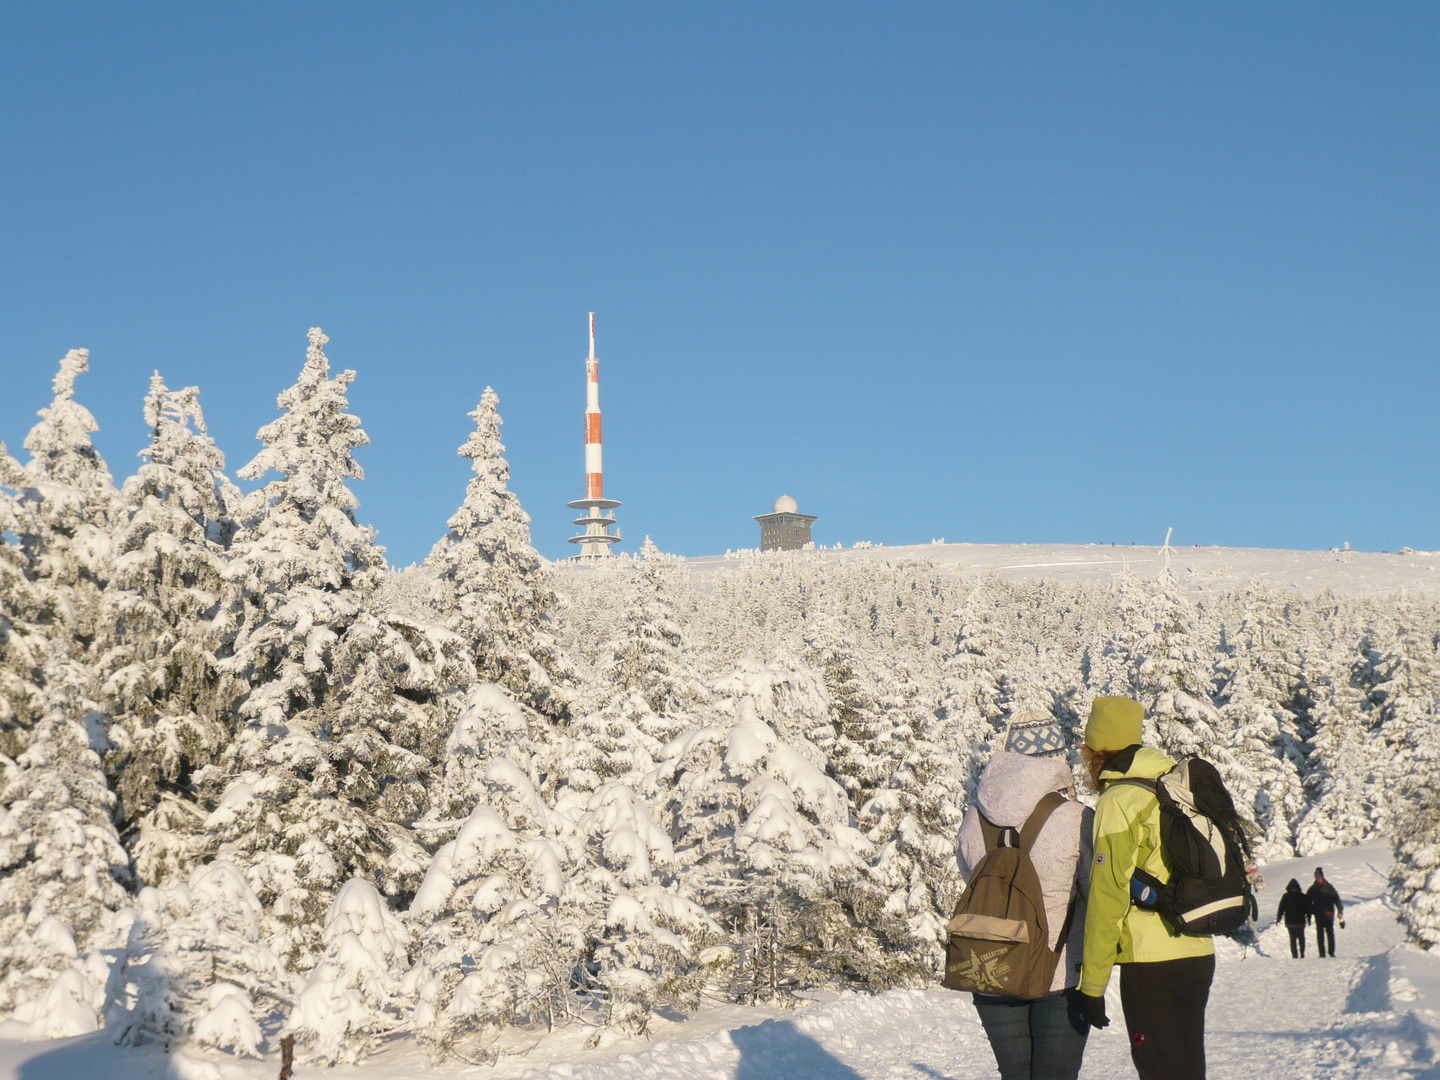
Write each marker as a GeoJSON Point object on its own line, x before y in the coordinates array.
{"type": "Point", "coordinates": [1042, 1039]}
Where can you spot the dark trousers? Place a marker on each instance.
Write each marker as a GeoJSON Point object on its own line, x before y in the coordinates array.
{"type": "Point", "coordinates": [1297, 939]}
{"type": "Point", "coordinates": [1164, 1006]}
{"type": "Point", "coordinates": [1325, 928]}
{"type": "Point", "coordinates": [1035, 1040]}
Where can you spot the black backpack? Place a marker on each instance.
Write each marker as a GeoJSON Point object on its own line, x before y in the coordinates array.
{"type": "Point", "coordinates": [1205, 847]}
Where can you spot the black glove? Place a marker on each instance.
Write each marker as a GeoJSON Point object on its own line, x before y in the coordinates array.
{"type": "Point", "coordinates": [1092, 1011]}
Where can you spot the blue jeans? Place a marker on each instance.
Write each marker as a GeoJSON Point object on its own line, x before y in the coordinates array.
{"type": "Point", "coordinates": [1035, 1040]}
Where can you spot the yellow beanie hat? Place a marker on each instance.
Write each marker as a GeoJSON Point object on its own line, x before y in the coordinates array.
{"type": "Point", "coordinates": [1114, 723]}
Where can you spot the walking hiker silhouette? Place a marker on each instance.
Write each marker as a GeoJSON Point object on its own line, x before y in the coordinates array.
{"type": "Point", "coordinates": [1294, 912]}
{"type": "Point", "coordinates": [1325, 904]}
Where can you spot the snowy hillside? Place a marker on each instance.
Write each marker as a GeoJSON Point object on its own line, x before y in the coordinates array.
{"type": "Point", "coordinates": [256, 785]}
{"type": "Point", "coordinates": [1349, 573]}
{"type": "Point", "coordinates": [1373, 1012]}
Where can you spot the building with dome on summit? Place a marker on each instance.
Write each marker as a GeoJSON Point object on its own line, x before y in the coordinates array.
{"type": "Point", "coordinates": [785, 529]}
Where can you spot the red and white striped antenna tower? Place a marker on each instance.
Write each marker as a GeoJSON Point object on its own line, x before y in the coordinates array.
{"type": "Point", "coordinates": [595, 539]}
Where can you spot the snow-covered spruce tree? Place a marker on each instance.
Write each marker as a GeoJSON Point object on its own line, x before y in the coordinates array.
{"type": "Point", "coordinates": [72, 503]}
{"type": "Point", "coordinates": [491, 725]}
{"type": "Point", "coordinates": [912, 818]}
{"type": "Point", "coordinates": [490, 584]}
{"type": "Point", "coordinates": [977, 671]}
{"type": "Point", "coordinates": [565, 874]}
{"type": "Point", "coordinates": [889, 752]}
{"type": "Point", "coordinates": [974, 692]}
{"type": "Point", "coordinates": [859, 729]}
{"type": "Point", "coordinates": [1415, 876]}
{"type": "Point", "coordinates": [157, 632]}
{"type": "Point", "coordinates": [1407, 695]}
{"type": "Point", "coordinates": [788, 695]}
{"type": "Point", "coordinates": [191, 965]}
{"type": "Point", "coordinates": [1173, 678]}
{"type": "Point", "coordinates": [649, 943]}
{"type": "Point", "coordinates": [23, 642]}
{"type": "Point", "coordinates": [649, 665]}
{"type": "Point", "coordinates": [1264, 705]}
{"type": "Point", "coordinates": [313, 790]}
{"type": "Point", "coordinates": [39, 950]}
{"type": "Point", "coordinates": [644, 690]}
{"type": "Point", "coordinates": [1348, 766]}
{"type": "Point", "coordinates": [62, 869]}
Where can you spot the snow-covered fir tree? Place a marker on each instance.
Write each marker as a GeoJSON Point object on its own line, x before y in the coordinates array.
{"type": "Point", "coordinates": [1264, 703]}
{"type": "Point", "coordinates": [158, 634]}
{"type": "Point", "coordinates": [313, 790]}
{"type": "Point", "coordinates": [73, 503]}
{"type": "Point", "coordinates": [62, 867]}
{"type": "Point", "coordinates": [489, 583]}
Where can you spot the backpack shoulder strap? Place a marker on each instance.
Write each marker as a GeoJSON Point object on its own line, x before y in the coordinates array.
{"type": "Point", "coordinates": [1151, 786]}
{"type": "Point", "coordinates": [1069, 919]}
{"type": "Point", "coordinates": [991, 832]}
{"type": "Point", "coordinates": [1036, 821]}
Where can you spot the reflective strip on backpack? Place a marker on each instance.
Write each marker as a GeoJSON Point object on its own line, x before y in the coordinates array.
{"type": "Point", "coordinates": [1195, 914]}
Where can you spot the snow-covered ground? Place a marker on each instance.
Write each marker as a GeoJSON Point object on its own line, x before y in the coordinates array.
{"type": "Point", "coordinates": [1374, 1012]}
{"type": "Point", "coordinates": [1307, 572]}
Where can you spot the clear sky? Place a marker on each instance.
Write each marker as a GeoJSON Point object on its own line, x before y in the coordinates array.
{"type": "Point", "coordinates": [1018, 272]}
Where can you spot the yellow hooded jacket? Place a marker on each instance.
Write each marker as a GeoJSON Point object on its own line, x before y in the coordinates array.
{"type": "Point", "coordinates": [1127, 836]}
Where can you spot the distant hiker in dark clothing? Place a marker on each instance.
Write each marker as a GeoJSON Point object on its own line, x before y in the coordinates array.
{"type": "Point", "coordinates": [1294, 912]}
{"type": "Point", "coordinates": [1325, 904]}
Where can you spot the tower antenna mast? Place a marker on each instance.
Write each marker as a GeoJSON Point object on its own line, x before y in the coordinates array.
{"type": "Point", "coordinates": [594, 539]}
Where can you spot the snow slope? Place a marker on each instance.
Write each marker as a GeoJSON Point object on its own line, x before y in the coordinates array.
{"type": "Point", "coordinates": [1307, 572]}
{"type": "Point", "coordinates": [1374, 1012]}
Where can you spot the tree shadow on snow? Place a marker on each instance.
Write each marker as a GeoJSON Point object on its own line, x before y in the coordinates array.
{"type": "Point", "coordinates": [777, 1048]}
{"type": "Point", "coordinates": [95, 1056]}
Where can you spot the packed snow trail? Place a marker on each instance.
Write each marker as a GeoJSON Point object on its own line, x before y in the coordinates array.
{"type": "Point", "coordinates": [1371, 1013]}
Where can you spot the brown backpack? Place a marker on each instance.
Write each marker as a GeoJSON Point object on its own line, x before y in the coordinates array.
{"type": "Point", "coordinates": [999, 941]}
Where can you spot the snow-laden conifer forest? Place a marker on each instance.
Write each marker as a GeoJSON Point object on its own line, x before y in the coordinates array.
{"type": "Point", "coordinates": [258, 783]}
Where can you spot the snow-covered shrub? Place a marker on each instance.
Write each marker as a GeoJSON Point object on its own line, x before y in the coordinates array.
{"type": "Point", "coordinates": [760, 831]}
{"type": "Point", "coordinates": [353, 996]}
{"type": "Point", "coordinates": [499, 924]}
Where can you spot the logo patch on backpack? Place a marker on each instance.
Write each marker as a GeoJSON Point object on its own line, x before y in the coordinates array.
{"type": "Point", "coordinates": [987, 971]}
{"type": "Point", "coordinates": [1099, 858]}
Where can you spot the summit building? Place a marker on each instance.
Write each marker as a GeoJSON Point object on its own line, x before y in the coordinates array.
{"type": "Point", "coordinates": [785, 529]}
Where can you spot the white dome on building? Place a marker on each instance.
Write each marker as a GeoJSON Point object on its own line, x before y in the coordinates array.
{"type": "Point", "coordinates": [786, 505]}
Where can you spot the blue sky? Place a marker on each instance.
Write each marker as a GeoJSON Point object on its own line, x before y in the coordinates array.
{"type": "Point", "coordinates": [1010, 273]}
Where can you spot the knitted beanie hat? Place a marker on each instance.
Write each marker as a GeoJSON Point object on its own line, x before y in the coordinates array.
{"type": "Point", "coordinates": [1115, 723]}
{"type": "Point", "coordinates": [1036, 734]}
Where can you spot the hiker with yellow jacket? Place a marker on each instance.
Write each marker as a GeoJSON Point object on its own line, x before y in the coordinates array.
{"type": "Point", "coordinates": [1164, 976]}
